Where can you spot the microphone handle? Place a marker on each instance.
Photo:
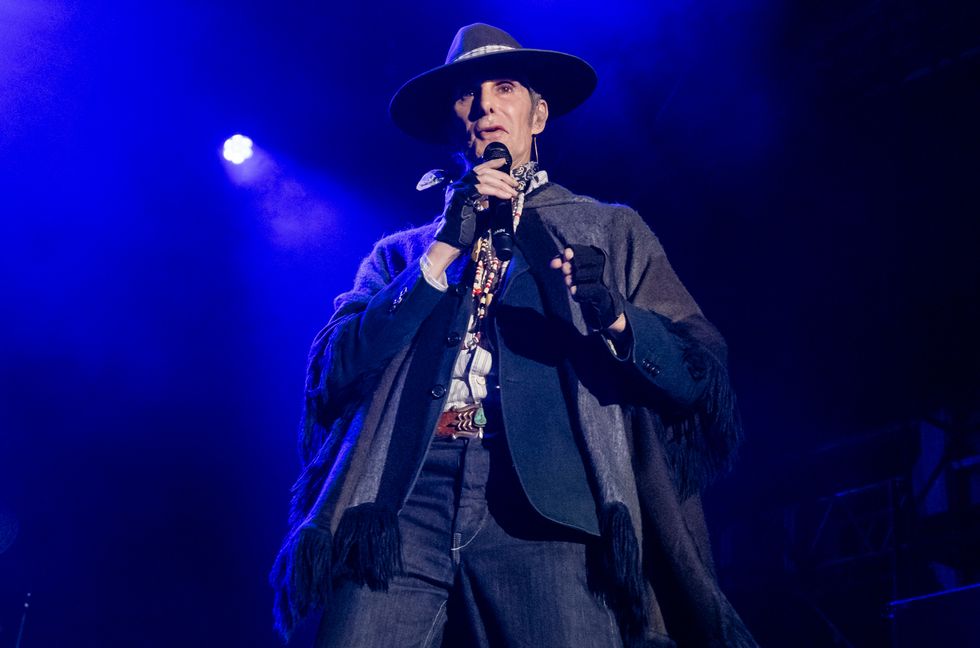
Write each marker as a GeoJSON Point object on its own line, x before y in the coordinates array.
{"type": "Point", "coordinates": [501, 219]}
{"type": "Point", "coordinates": [501, 229]}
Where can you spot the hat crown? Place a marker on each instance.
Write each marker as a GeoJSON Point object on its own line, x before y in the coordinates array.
{"type": "Point", "coordinates": [479, 39]}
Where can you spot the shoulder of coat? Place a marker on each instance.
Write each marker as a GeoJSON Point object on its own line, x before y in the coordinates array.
{"type": "Point", "coordinates": [571, 206]}
{"type": "Point", "coordinates": [408, 240]}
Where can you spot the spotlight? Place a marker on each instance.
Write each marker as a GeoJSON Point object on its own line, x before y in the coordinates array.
{"type": "Point", "coordinates": [237, 149]}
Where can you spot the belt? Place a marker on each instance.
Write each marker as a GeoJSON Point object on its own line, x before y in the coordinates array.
{"type": "Point", "coordinates": [462, 421]}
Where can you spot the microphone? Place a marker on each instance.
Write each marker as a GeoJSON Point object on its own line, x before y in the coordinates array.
{"type": "Point", "coordinates": [501, 217]}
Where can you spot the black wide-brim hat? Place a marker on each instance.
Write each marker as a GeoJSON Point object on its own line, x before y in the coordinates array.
{"type": "Point", "coordinates": [423, 107]}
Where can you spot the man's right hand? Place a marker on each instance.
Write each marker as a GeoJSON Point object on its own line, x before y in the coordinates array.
{"type": "Point", "coordinates": [468, 196]}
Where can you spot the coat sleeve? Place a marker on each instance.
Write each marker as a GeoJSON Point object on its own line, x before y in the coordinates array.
{"type": "Point", "coordinates": [676, 355]}
{"type": "Point", "coordinates": [658, 307]}
{"type": "Point", "coordinates": [371, 323]}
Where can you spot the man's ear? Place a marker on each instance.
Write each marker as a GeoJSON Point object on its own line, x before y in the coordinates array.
{"type": "Point", "coordinates": [539, 117]}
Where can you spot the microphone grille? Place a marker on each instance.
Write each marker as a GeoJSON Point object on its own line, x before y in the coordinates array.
{"type": "Point", "coordinates": [497, 150]}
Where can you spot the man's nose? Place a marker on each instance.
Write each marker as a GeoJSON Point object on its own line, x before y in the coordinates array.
{"type": "Point", "coordinates": [482, 102]}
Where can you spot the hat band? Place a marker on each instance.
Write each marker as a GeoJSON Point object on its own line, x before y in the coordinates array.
{"type": "Point", "coordinates": [480, 51]}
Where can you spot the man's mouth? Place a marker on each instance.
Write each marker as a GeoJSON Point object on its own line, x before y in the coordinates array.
{"type": "Point", "coordinates": [481, 132]}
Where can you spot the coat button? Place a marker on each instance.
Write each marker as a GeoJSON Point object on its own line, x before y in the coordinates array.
{"type": "Point", "coordinates": [438, 391]}
{"type": "Point", "coordinates": [453, 339]}
{"type": "Point", "coordinates": [396, 302]}
{"type": "Point", "coordinates": [650, 368]}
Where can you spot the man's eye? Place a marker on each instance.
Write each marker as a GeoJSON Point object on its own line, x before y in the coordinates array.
{"type": "Point", "coordinates": [506, 87]}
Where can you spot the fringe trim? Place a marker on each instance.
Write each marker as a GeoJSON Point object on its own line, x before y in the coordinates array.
{"type": "Point", "coordinates": [301, 576]}
{"type": "Point", "coordinates": [703, 447]}
{"type": "Point", "coordinates": [366, 548]}
{"type": "Point", "coordinates": [312, 432]}
{"type": "Point", "coordinates": [624, 587]}
{"type": "Point", "coordinates": [305, 492]}
{"type": "Point", "coordinates": [368, 544]}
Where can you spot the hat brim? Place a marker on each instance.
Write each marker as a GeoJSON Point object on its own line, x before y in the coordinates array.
{"type": "Point", "coordinates": [422, 107]}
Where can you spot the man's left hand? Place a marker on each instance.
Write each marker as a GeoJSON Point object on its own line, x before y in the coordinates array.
{"type": "Point", "coordinates": [582, 267]}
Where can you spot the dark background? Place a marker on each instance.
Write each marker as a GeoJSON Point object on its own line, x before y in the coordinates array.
{"type": "Point", "coordinates": [811, 168]}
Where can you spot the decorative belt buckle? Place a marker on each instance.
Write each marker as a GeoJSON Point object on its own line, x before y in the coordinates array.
{"type": "Point", "coordinates": [470, 421]}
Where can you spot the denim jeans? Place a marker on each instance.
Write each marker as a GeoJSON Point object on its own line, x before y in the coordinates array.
{"type": "Point", "coordinates": [481, 568]}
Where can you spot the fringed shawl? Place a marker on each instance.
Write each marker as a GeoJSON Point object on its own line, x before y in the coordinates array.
{"type": "Point", "coordinates": [649, 460]}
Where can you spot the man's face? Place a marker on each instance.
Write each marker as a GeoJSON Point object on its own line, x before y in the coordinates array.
{"type": "Point", "coordinates": [500, 110]}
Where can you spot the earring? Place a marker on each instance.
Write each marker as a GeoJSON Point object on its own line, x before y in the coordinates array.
{"type": "Point", "coordinates": [534, 142]}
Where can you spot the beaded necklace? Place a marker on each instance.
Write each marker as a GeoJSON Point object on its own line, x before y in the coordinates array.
{"type": "Point", "coordinates": [489, 268]}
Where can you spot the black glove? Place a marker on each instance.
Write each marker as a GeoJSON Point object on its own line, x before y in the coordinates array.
{"type": "Point", "coordinates": [600, 305]}
{"type": "Point", "coordinates": [460, 215]}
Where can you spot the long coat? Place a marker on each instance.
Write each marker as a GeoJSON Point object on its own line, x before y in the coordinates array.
{"type": "Point", "coordinates": [639, 436]}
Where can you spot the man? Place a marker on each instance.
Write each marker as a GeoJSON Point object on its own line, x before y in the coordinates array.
{"type": "Point", "coordinates": [506, 432]}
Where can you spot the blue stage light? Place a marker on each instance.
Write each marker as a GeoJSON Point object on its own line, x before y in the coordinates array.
{"type": "Point", "coordinates": [237, 149]}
